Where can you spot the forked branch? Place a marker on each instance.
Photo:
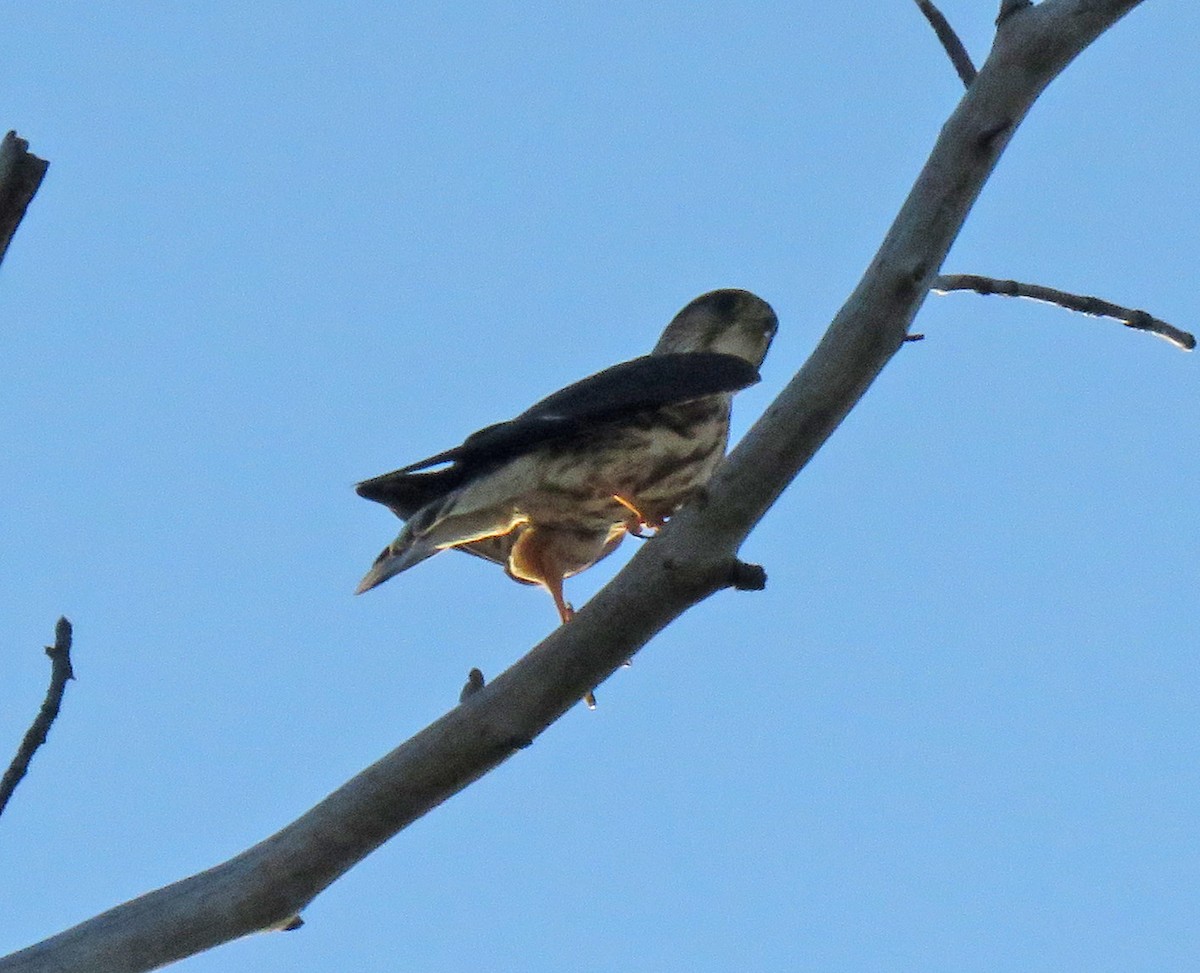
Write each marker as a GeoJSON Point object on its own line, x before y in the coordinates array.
{"type": "Point", "coordinates": [1093, 306]}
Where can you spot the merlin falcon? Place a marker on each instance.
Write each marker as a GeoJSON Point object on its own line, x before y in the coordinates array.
{"type": "Point", "coordinates": [551, 492]}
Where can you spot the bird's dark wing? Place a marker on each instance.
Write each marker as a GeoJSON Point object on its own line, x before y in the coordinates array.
{"type": "Point", "coordinates": [649, 382]}
{"type": "Point", "coordinates": [406, 493]}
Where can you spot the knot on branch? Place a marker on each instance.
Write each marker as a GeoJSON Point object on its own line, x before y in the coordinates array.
{"type": "Point", "coordinates": [475, 682]}
{"type": "Point", "coordinates": [746, 577]}
{"type": "Point", "coordinates": [60, 652]}
{"type": "Point", "coordinates": [990, 138]}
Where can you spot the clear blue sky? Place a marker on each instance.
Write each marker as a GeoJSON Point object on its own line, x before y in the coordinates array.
{"type": "Point", "coordinates": [284, 247]}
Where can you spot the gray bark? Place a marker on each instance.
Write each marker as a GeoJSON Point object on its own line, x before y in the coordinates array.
{"type": "Point", "coordinates": [694, 556]}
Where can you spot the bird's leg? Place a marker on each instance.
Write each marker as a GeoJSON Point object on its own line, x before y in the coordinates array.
{"type": "Point", "coordinates": [639, 520]}
{"type": "Point", "coordinates": [552, 581]}
{"type": "Point", "coordinates": [634, 523]}
{"type": "Point", "coordinates": [532, 560]}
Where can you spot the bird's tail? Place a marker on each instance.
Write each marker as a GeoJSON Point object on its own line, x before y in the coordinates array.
{"type": "Point", "coordinates": [400, 555]}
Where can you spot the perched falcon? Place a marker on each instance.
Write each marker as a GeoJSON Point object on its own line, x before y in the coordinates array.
{"type": "Point", "coordinates": [551, 492]}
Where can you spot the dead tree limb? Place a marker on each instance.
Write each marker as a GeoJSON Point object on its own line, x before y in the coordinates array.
{"type": "Point", "coordinates": [35, 736]}
{"type": "Point", "coordinates": [951, 42]}
{"type": "Point", "coordinates": [1010, 7]}
{"type": "Point", "coordinates": [694, 556]}
{"type": "Point", "coordinates": [21, 173]}
{"type": "Point", "coordinates": [1092, 306]}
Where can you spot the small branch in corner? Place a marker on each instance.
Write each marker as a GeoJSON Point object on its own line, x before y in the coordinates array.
{"type": "Point", "coordinates": [35, 736]}
{"type": "Point", "coordinates": [21, 172]}
{"type": "Point", "coordinates": [290, 924]}
{"type": "Point", "coordinates": [950, 42]}
{"type": "Point", "coordinates": [747, 577]}
{"type": "Point", "coordinates": [1093, 306]}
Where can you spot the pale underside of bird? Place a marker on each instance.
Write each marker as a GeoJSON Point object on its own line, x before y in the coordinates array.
{"type": "Point", "coordinates": [551, 492]}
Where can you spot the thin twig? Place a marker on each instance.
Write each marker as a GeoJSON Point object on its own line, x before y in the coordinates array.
{"type": "Point", "coordinates": [21, 173]}
{"type": "Point", "coordinates": [950, 41]}
{"type": "Point", "coordinates": [1093, 306]}
{"type": "Point", "coordinates": [35, 736]}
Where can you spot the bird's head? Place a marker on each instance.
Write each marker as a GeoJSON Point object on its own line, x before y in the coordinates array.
{"type": "Point", "coordinates": [729, 321]}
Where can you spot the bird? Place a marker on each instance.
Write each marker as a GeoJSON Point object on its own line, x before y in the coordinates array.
{"type": "Point", "coordinates": [552, 491]}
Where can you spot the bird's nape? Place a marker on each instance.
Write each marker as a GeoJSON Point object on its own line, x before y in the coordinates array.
{"type": "Point", "coordinates": [727, 321]}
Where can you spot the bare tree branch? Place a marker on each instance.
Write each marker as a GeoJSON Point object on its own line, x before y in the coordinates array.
{"type": "Point", "coordinates": [35, 736]}
{"type": "Point", "coordinates": [950, 41]}
{"type": "Point", "coordinates": [1094, 306]}
{"type": "Point", "coordinates": [694, 556]}
{"type": "Point", "coordinates": [21, 173]}
{"type": "Point", "coordinates": [1010, 7]}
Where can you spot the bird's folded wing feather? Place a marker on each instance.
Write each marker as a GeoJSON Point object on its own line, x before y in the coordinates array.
{"type": "Point", "coordinates": [649, 382]}
{"type": "Point", "coordinates": [406, 493]}
{"type": "Point", "coordinates": [624, 390]}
